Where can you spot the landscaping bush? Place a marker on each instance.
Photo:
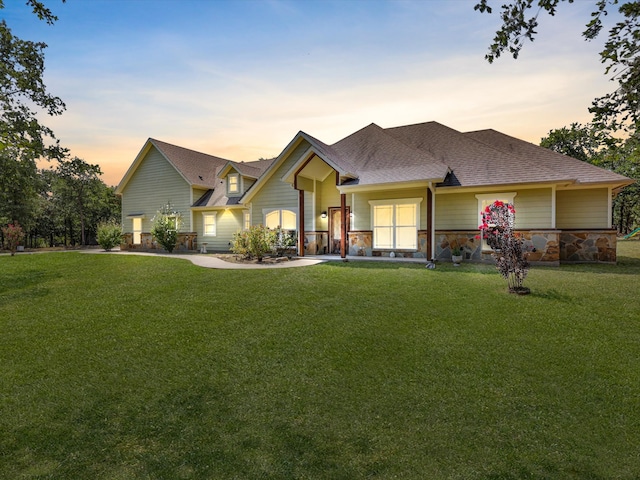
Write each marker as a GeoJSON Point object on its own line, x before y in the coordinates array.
{"type": "Point", "coordinates": [256, 242]}
{"type": "Point", "coordinates": [166, 225]}
{"type": "Point", "coordinates": [109, 235]}
{"type": "Point", "coordinates": [13, 235]}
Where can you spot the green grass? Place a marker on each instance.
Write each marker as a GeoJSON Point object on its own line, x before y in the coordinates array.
{"type": "Point", "coordinates": [124, 367]}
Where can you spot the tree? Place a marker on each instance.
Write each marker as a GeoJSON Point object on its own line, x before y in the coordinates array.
{"type": "Point", "coordinates": [583, 142]}
{"type": "Point", "coordinates": [77, 181]}
{"type": "Point", "coordinates": [19, 185]}
{"type": "Point", "coordinates": [498, 220]}
{"type": "Point", "coordinates": [22, 89]}
{"type": "Point", "coordinates": [619, 109]}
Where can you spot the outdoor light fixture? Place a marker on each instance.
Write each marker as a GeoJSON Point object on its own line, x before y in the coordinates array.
{"type": "Point", "coordinates": [323, 214]}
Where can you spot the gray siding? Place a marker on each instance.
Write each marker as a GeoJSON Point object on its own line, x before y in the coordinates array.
{"type": "Point", "coordinates": [228, 222]}
{"type": "Point", "coordinates": [154, 183]}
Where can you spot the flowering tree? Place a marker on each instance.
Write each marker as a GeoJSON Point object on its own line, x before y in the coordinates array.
{"type": "Point", "coordinates": [13, 235]}
{"type": "Point", "coordinates": [509, 252]}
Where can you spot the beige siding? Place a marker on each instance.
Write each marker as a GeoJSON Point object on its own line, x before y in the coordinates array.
{"type": "Point", "coordinates": [327, 196]}
{"type": "Point", "coordinates": [456, 211]}
{"type": "Point", "coordinates": [582, 208]}
{"type": "Point", "coordinates": [228, 222]}
{"type": "Point", "coordinates": [154, 183]}
{"type": "Point", "coordinates": [460, 211]}
{"type": "Point", "coordinates": [533, 208]}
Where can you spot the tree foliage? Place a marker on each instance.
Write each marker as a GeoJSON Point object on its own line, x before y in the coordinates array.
{"type": "Point", "coordinates": [619, 109]}
{"type": "Point", "coordinates": [22, 91]}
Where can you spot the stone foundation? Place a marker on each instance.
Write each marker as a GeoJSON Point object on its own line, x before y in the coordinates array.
{"type": "Point", "coordinates": [316, 243]}
{"type": "Point", "coordinates": [588, 246]}
{"type": "Point", "coordinates": [470, 247]}
{"type": "Point", "coordinates": [546, 247]}
{"type": "Point", "coordinates": [360, 242]}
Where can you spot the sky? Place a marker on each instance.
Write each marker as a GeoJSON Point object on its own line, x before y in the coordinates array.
{"type": "Point", "coordinates": [239, 78]}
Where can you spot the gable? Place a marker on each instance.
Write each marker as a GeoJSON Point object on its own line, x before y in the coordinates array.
{"type": "Point", "coordinates": [153, 172]}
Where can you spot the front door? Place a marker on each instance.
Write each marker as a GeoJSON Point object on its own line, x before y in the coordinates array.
{"type": "Point", "coordinates": [335, 229]}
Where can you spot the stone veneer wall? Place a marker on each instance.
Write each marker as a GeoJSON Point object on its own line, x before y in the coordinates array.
{"type": "Point", "coordinates": [361, 241]}
{"type": "Point", "coordinates": [588, 246]}
{"type": "Point", "coordinates": [316, 243]}
{"type": "Point", "coordinates": [542, 244]}
{"type": "Point", "coordinates": [186, 241]}
{"type": "Point", "coordinates": [547, 247]}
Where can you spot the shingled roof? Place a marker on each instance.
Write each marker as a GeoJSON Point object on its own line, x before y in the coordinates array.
{"type": "Point", "coordinates": [434, 152]}
{"type": "Point", "coordinates": [196, 167]}
{"type": "Point", "coordinates": [578, 171]}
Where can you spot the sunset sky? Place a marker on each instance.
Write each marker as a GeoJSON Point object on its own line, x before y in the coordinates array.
{"type": "Point", "coordinates": [238, 79]}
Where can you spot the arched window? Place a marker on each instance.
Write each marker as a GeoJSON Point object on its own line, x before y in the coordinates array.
{"type": "Point", "coordinates": [285, 219]}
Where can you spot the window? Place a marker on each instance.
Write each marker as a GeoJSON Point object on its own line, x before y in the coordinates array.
{"type": "Point", "coordinates": [209, 224]}
{"type": "Point", "coordinates": [247, 220]}
{"type": "Point", "coordinates": [285, 219]}
{"type": "Point", "coordinates": [233, 183]}
{"type": "Point", "coordinates": [395, 223]}
{"type": "Point", "coordinates": [137, 230]}
{"type": "Point", "coordinates": [485, 200]}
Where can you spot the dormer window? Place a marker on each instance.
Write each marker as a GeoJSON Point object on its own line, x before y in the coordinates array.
{"type": "Point", "coordinates": [233, 183]}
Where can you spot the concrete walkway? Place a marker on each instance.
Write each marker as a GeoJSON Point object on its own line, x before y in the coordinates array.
{"type": "Point", "coordinates": [211, 261]}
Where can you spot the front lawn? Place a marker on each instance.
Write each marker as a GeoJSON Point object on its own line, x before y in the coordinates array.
{"type": "Point", "coordinates": [125, 367]}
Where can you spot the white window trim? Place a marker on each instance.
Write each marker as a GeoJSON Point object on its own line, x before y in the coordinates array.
{"type": "Point", "coordinates": [135, 232]}
{"type": "Point", "coordinates": [266, 211]}
{"type": "Point", "coordinates": [238, 186]}
{"type": "Point", "coordinates": [215, 224]}
{"type": "Point", "coordinates": [246, 219]}
{"type": "Point", "coordinates": [393, 202]}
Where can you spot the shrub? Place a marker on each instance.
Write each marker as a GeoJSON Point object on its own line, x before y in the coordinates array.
{"type": "Point", "coordinates": [166, 225]}
{"type": "Point", "coordinates": [285, 241]}
{"type": "Point", "coordinates": [13, 235]}
{"type": "Point", "coordinates": [109, 234]}
{"type": "Point", "coordinates": [509, 252]}
{"type": "Point", "coordinates": [256, 242]}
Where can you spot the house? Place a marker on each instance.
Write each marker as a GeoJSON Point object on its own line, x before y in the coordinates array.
{"type": "Point", "coordinates": [411, 191]}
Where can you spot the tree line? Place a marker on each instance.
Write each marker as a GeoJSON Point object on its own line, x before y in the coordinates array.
{"type": "Point", "coordinates": [60, 205]}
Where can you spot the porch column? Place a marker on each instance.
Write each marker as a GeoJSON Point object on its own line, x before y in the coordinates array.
{"type": "Point", "coordinates": [343, 233]}
{"type": "Point", "coordinates": [429, 251]}
{"type": "Point", "coordinates": [301, 223]}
